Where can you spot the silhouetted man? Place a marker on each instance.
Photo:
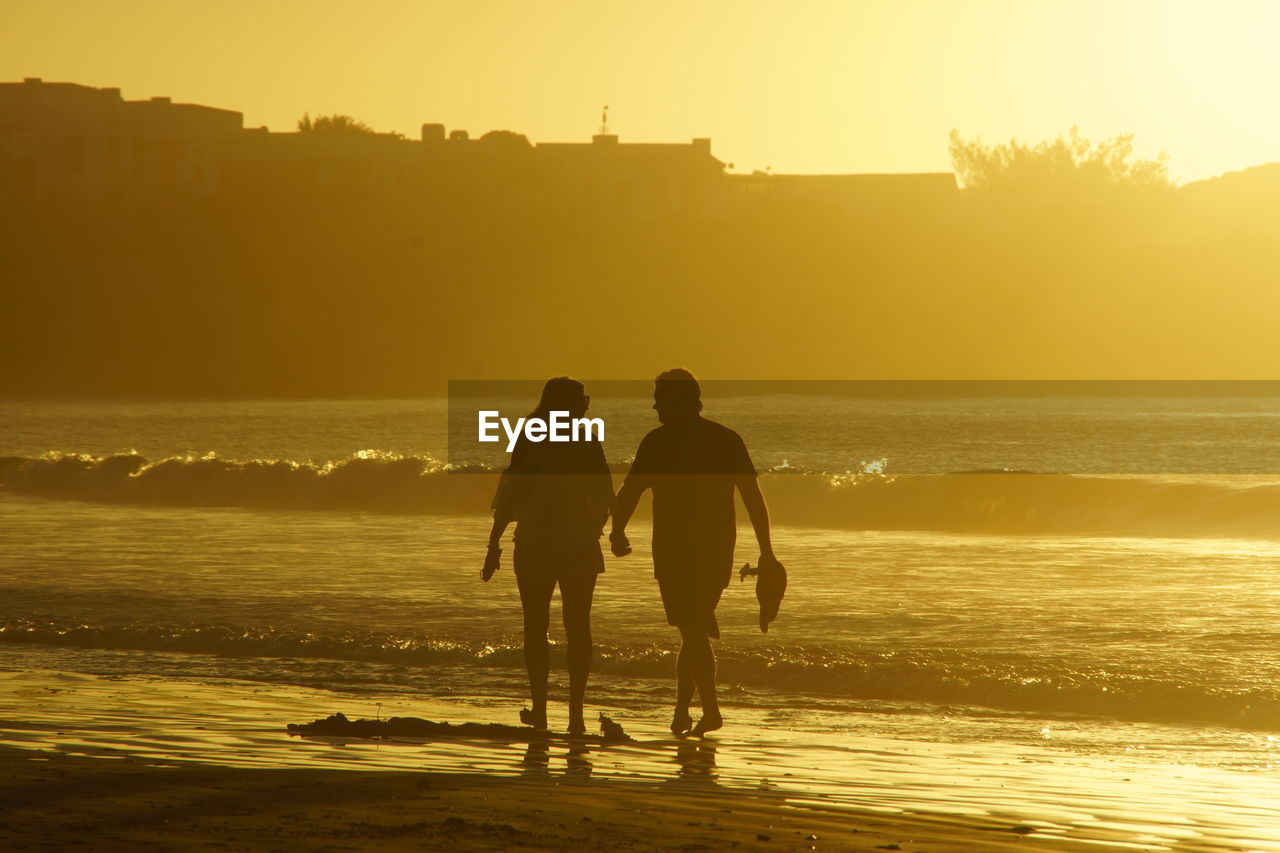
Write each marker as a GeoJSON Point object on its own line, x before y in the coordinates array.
{"type": "Point", "coordinates": [693, 465]}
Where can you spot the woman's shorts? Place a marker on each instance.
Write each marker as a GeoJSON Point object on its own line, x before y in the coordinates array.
{"type": "Point", "coordinates": [553, 562]}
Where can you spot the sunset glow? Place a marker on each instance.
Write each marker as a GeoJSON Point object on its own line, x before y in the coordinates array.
{"type": "Point", "coordinates": [647, 426]}
{"type": "Point", "coordinates": [805, 87]}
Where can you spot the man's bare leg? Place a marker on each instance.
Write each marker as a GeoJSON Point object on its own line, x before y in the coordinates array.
{"type": "Point", "coordinates": [681, 721]}
{"type": "Point", "coordinates": [701, 660]}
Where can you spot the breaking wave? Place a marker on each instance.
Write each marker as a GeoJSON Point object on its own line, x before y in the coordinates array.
{"type": "Point", "coordinates": [369, 480]}
{"type": "Point", "coordinates": [977, 502]}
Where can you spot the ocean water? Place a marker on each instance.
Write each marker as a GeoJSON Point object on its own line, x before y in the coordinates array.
{"type": "Point", "coordinates": [1122, 597]}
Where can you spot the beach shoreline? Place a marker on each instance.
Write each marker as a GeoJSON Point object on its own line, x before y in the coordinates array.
{"type": "Point", "coordinates": [125, 762]}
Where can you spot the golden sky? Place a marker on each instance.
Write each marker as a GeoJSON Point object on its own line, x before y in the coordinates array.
{"type": "Point", "coordinates": [796, 86]}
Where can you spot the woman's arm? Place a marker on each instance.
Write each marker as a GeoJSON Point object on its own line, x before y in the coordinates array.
{"type": "Point", "coordinates": [500, 521]}
{"type": "Point", "coordinates": [505, 499]}
{"type": "Point", "coordinates": [493, 556]}
{"type": "Point", "coordinates": [601, 486]}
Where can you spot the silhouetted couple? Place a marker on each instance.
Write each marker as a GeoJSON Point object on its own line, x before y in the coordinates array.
{"type": "Point", "coordinates": [560, 496]}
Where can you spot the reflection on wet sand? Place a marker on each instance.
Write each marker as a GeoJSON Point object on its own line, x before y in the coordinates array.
{"type": "Point", "coordinates": [537, 760]}
{"type": "Point", "coordinates": [697, 760]}
{"type": "Point", "coordinates": [536, 763]}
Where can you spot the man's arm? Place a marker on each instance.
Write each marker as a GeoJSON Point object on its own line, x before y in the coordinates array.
{"type": "Point", "coordinates": [624, 506]}
{"type": "Point", "coordinates": [624, 503]}
{"type": "Point", "coordinates": [758, 511]}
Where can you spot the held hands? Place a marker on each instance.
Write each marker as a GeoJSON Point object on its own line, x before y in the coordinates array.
{"type": "Point", "coordinates": [492, 562]}
{"type": "Point", "coordinates": [619, 544]}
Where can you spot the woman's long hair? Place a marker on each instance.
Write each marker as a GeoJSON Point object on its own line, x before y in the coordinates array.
{"type": "Point", "coordinates": [560, 394]}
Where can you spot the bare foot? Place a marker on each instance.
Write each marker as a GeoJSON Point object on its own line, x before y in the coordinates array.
{"type": "Point", "coordinates": [708, 723]}
{"type": "Point", "coordinates": [681, 723]}
{"type": "Point", "coordinates": [531, 718]}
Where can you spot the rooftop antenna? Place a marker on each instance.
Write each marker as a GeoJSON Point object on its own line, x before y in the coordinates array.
{"type": "Point", "coordinates": [604, 121]}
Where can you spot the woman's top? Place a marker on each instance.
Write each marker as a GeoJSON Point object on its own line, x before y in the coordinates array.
{"type": "Point", "coordinates": [557, 493]}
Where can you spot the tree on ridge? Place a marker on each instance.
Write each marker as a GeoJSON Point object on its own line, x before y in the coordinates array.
{"type": "Point", "coordinates": [333, 124]}
{"type": "Point", "coordinates": [1068, 165]}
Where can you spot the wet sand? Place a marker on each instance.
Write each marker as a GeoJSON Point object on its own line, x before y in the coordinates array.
{"type": "Point", "coordinates": [59, 801]}
{"type": "Point", "coordinates": [126, 763]}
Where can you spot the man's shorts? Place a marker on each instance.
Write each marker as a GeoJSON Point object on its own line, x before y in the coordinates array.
{"type": "Point", "coordinates": [690, 600]}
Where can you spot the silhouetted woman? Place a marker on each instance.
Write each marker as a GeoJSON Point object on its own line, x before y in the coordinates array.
{"type": "Point", "coordinates": [558, 494]}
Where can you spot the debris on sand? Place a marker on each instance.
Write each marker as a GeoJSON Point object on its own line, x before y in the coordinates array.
{"type": "Point", "coordinates": [611, 731]}
{"type": "Point", "coordinates": [339, 725]}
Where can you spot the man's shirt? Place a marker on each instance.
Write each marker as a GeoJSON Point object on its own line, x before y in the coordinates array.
{"type": "Point", "coordinates": [692, 467]}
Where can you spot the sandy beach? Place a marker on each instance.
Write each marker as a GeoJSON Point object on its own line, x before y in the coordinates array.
{"type": "Point", "coordinates": [122, 763]}
{"type": "Point", "coordinates": [60, 800]}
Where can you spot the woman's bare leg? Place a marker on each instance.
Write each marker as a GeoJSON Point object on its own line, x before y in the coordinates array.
{"type": "Point", "coordinates": [575, 599]}
{"type": "Point", "coordinates": [535, 598]}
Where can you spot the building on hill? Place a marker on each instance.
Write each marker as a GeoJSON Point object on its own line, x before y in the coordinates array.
{"type": "Point", "coordinates": [303, 163]}
{"type": "Point", "coordinates": [603, 177]}
{"type": "Point", "coordinates": [67, 142]}
{"type": "Point", "coordinates": [638, 180]}
{"type": "Point", "coordinates": [63, 142]}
